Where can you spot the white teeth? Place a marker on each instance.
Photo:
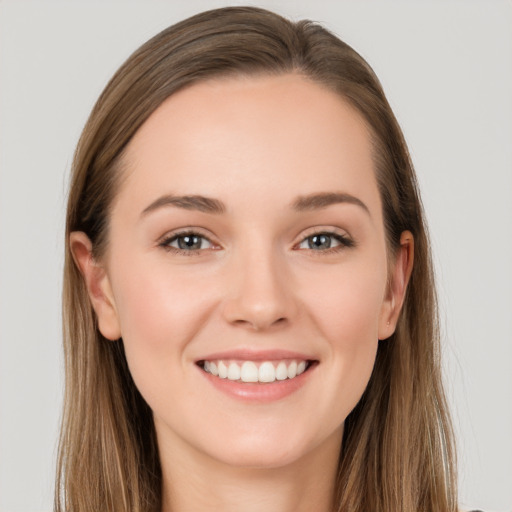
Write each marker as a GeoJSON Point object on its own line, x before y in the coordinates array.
{"type": "Point", "coordinates": [292, 370]}
{"type": "Point", "coordinates": [223, 370]}
{"type": "Point", "coordinates": [281, 371]}
{"type": "Point", "coordinates": [250, 372]}
{"type": "Point", "coordinates": [267, 372]}
{"type": "Point", "coordinates": [234, 372]}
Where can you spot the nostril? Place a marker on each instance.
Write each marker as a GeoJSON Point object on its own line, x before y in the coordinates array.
{"type": "Point", "coordinates": [260, 325]}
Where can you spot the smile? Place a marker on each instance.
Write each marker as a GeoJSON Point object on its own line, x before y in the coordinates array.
{"type": "Point", "coordinates": [255, 371]}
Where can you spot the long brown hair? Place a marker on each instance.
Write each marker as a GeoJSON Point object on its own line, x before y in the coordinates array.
{"type": "Point", "coordinates": [397, 452]}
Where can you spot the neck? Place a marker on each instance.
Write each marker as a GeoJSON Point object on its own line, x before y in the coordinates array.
{"type": "Point", "coordinates": [199, 483]}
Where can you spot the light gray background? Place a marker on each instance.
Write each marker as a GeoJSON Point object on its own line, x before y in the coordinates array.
{"type": "Point", "coordinates": [447, 70]}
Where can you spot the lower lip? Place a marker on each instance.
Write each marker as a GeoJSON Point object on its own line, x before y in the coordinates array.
{"type": "Point", "coordinates": [260, 392]}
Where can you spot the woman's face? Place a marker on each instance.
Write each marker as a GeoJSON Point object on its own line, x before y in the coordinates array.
{"type": "Point", "coordinates": [247, 238]}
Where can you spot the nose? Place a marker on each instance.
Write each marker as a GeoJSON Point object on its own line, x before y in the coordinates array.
{"type": "Point", "coordinates": [260, 294]}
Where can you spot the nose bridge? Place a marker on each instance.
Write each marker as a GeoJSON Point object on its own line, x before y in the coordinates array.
{"type": "Point", "coordinates": [260, 294]}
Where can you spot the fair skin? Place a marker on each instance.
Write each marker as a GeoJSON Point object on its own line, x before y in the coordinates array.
{"type": "Point", "coordinates": [287, 264]}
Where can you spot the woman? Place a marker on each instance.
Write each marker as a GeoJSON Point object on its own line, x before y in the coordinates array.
{"type": "Point", "coordinates": [250, 316]}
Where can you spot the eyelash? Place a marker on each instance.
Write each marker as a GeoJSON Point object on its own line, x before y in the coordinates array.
{"type": "Point", "coordinates": [344, 242]}
{"type": "Point", "coordinates": [167, 240]}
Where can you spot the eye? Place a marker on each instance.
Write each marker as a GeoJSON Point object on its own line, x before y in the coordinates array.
{"type": "Point", "coordinates": [325, 241]}
{"type": "Point", "coordinates": [186, 242]}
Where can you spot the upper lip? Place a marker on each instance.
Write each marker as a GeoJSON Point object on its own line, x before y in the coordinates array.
{"type": "Point", "coordinates": [257, 355]}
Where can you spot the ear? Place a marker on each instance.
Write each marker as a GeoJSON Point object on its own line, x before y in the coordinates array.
{"type": "Point", "coordinates": [400, 274]}
{"type": "Point", "coordinates": [98, 285]}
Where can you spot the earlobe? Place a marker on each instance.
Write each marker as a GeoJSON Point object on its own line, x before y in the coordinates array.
{"type": "Point", "coordinates": [98, 285]}
{"type": "Point", "coordinates": [397, 286]}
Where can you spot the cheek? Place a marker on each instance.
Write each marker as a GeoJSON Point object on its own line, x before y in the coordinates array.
{"type": "Point", "coordinates": [348, 317]}
{"type": "Point", "coordinates": [157, 304]}
{"type": "Point", "coordinates": [350, 302]}
{"type": "Point", "coordinates": [160, 312]}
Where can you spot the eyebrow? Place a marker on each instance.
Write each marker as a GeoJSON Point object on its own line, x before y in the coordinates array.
{"type": "Point", "coordinates": [204, 204]}
{"type": "Point", "coordinates": [325, 199]}
{"type": "Point", "coordinates": [193, 202]}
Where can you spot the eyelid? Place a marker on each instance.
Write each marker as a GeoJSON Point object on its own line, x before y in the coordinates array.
{"type": "Point", "coordinates": [328, 230]}
{"type": "Point", "coordinates": [342, 236]}
{"type": "Point", "coordinates": [170, 236]}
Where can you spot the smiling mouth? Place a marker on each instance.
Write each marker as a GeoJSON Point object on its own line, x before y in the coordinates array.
{"type": "Point", "coordinates": [256, 371]}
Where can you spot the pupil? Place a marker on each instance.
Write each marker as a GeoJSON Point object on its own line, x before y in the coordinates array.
{"type": "Point", "coordinates": [189, 242]}
{"type": "Point", "coordinates": [320, 242]}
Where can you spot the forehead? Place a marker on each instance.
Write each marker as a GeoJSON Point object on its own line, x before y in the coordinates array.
{"type": "Point", "coordinates": [274, 135]}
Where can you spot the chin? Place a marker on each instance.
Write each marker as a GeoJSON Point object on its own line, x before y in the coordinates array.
{"type": "Point", "coordinates": [277, 448]}
{"type": "Point", "coordinates": [262, 455]}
